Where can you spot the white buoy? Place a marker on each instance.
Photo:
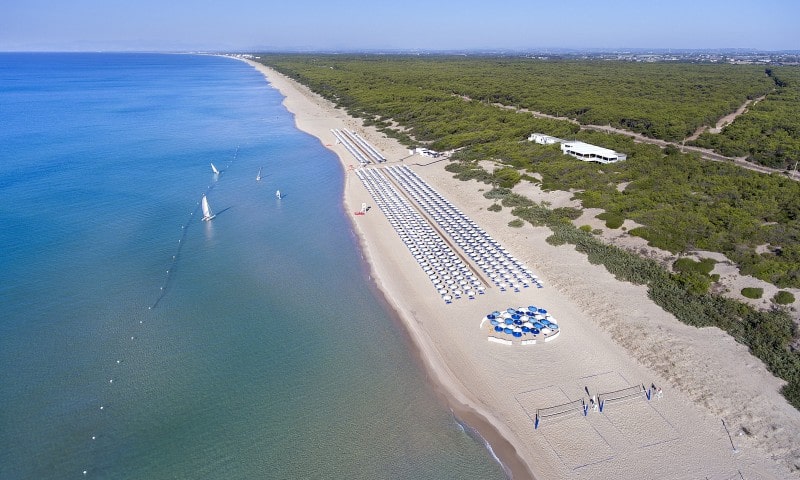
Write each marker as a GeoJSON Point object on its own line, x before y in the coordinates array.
{"type": "Point", "coordinates": [117, 361]}
{"type": "Point", "coordinates": [84, 472]}
{"type": "Point", "coordinates": [110, 380]}
{"type": "Point", "coordinates": [101, 407]}
{"type": "Point", "coordinates": [93, 437]}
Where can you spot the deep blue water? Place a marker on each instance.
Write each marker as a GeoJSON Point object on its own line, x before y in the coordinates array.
{"type": "Point", "coordinates": [268, 354]}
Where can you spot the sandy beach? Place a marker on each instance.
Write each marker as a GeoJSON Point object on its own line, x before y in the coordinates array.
{"type": "Point", "coordinates": [721, 415]}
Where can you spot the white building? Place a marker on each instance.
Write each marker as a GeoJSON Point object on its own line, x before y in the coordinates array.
{"type": "Point", "coordinates": [591, 153]}
{"type": "Point", "coordinates": [543, 139]}
{"type": "Point", "coordinates": [424, 152]}
{"type": "Point", "coordinates": [580, 150]}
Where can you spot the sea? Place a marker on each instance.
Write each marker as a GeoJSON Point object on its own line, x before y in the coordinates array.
{"type": "Point", "coordinates": [139, 342]}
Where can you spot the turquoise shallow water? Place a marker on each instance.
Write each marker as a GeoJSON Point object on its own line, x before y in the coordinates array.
{"type": "Point", "coordinates": [269, 355]}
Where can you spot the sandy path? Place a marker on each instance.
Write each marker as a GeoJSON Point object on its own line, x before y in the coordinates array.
{"type": "Point", "coordinates": [704, 153]}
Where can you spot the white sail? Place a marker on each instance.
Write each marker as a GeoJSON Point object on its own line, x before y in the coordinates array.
{"type": "Point", "coordinates": [207, 214]}
{"type": "Point", "coordinates": [214, 169]}
{"type": "Point", "coordinates": [258, 177]}
{"type": "Point", "coordinates": [278, 194]}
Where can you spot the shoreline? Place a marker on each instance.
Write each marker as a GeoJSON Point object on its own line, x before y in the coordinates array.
{"type": "Point", "coordinates": [498, 445]}
{"type": "Point", "coordinates": [612, 327]}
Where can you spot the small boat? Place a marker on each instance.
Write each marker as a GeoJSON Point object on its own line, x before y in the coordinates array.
{"type": "Point", "coordinates": [214, 169]}
{"type": "Point", "coordinates": [207, 213]}
{"type": "Point", "coordinates": [258, 177]}
{"type": "Point", "coordinates": [278, 194]}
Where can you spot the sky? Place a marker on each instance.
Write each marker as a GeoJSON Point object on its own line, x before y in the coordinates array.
{"type": "Point", "coordinates": [347, 25]}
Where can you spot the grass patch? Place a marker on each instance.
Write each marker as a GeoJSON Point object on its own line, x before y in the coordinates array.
{"type": "Point", "coordinates": [783, 298]}
{"type": "Point", "coordinates": [752, 292]}
{"type": "Point", "coordinates": [613, 220]}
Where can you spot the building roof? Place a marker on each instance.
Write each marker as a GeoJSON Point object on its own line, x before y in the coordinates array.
{"type": "Point", "coordinates": [587, 149]}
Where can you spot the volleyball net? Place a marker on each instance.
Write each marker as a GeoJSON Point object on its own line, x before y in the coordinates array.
{"type": "Point", "coordinates": [575, 406]}
{"type": "Point", "coordinates": [621, 395]}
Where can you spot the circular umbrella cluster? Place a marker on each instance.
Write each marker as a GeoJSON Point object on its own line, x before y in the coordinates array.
{"type": "Point", "coordinates": [519, 322]}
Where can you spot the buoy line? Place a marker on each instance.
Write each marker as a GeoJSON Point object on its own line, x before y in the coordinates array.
{"type": "Point", "coordinates": [185, 228]}
{"type": "Point", "coordinates": [103, 399]}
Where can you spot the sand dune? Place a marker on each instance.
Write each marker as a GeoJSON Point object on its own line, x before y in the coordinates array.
{"type": "Point", "coordinates": [612, 337]}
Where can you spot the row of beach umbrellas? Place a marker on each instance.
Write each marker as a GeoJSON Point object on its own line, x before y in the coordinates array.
{"type": "Point", "coordinates": [450, 276]}
{"type": "Point", "coordinates": [358, 147]}
{"type": "Point", "coordinates": [502, 268]}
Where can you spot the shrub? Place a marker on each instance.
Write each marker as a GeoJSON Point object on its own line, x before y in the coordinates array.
{"type": "Point", "coordinates": [613, 220]}
{"type": "Point", "coordinates": [516, 223]}
{"type": "Point", "coordinates": [586, 228]}
{"type": "Point", "coordinates": [506, 177]}
{"type": "Point", "coordinates": [694, 282]}
{"type": "Point", "coordinates": [752, 292]}
{"type": "Point", "coordinates": [686, 265]}
{"type": "Point", "coordinates": [496, 193]}
{"type": "Point", "coordinates": [495, 207]}
{"type": "Point", "coordinates": [783, 298]}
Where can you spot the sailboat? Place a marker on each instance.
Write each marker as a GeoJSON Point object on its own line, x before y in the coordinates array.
{"type": "Point", "coordinates": [207, 214]}
{"type": "Point", "coordinates": [258, 177]}
{"type": "Point", "coordinates": [278, 194]}
{"type": "Point", "coordinates": [214, 169]}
